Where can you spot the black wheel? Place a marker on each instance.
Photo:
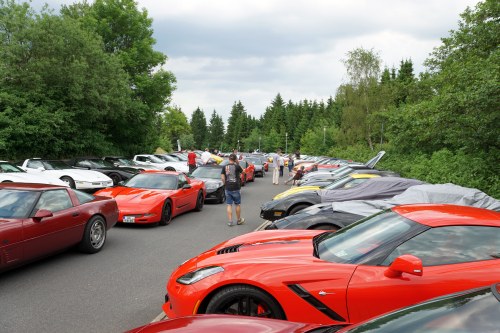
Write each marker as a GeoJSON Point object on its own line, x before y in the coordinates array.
{"type": "Point", "coordinates": [199, 202]}
{"type": "Point", "coordinates": [245, 301]}
{"type": "Point", "coordinates": [324, 227]}
{"type": "Point", "coordinates": [221, 198]}
{"type": "Point", "coordinates": [253, 178]}
{"type": "Point", "coordinates": [169, 169]}
{"type": "Point", "coordinates": [297, 208]}
{"type": "Point", "coordinates": [116, 178]}
{"type": "Point", "coordinates": [69, 181]}
{"type": "Point", "coordinates": [94, 235]}
{"type": "Point", "coordinates": [166, 213]}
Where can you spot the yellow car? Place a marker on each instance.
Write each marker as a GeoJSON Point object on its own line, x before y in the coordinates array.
{"type": "Point", "coordinates": [346, 182]}
{"type": "Point", "coordinates": [216, 158]}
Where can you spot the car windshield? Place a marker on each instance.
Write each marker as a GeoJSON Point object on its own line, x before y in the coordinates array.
{"type": "Point", "coordinates": [359, 241]}
{"type": "Point", "coordinates": [16, 203]}
{"type": "Point", "coordinates": [253, 160]}
{"type": "Point", "coordinates": [155, 159]}
{"type": "Point", "coordinates": [202, 172]}
{"type": "Point", "coordinates": [153, 181]}
{"type": "Point", "coordinates": [125, 161]}
{"type": "Point", "coordinates": [98, 163]}
{"type": "Point", "coordinates": [55, 165]}
{"type": "Point", "coordinates": [9, 168]}
{"type": "Point", "coordinates": [475, 311]}
{"type": "Point", "coordinates": [167, 158]}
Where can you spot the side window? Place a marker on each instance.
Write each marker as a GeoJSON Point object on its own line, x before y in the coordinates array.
{"type": "Point", "coordinates": [83, 197]}
{"type": "Point", "coordinates": [182, 180]}
{"type": "Point", "coordinates": [451, 245]}
{"type": "Point", "coordinates": [54, 200]}
{"type": "Point", "coordinates": [141, 158]}
{"type": "Point", "coordinates": [33, 164]}
{"type": "Point", "coordinates": [83, 163]}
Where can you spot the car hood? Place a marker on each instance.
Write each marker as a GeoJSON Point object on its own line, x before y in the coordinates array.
{"type": "Point", "coordinates": [80, 174]}
{"type": "Point", "coordinates": [295, 190]}
{"type": "Point", "coordinates": [280, 246]}
{"type": "Point", "coordinates": [22, 177]}
{"type": "Point", "coordinates": [132, 195]}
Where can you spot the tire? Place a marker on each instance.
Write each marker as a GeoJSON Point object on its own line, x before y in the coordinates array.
{"type": "Point", "coordinates": [253, 178]}
{"type": "Point", "coordinates": [297, 208]}
{"type": "Point", "coordinates": [199, 202]}
{"type": "Point", "coordinates": [116, 178]}
{"type": "Point", "coordinates": [166, 213]}
{"type": "Point", "coordinates": [324, 227]}
{"type": "Point", "coordinates": [169, 169]}
{"type": "Point", "coordinates": [246, 301]}
{"type": "Point", "coordinates": [221, 198]}
{"type": "Point", "coordinates": [68, 180]}
{"type": "Point", "coordinates": [94, 235]}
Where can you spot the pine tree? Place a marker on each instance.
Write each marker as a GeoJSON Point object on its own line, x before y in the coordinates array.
{"type": "Point", "coordinates": [199, 128]}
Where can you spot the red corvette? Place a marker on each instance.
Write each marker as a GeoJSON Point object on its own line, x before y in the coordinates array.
{"type": "Point", "coordinates": [390, 260]}
{"type": "Point", "coordinates": [39, 219]}
{"type": "Point", "coordinates": [156, 197]}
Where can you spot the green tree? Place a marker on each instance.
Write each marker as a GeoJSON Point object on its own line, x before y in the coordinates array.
{"type": "Point", "coordinates": [175, 124]}
{"type": "Point", "coordinates": [216, 131]}
{"type": "Point", "coordinates": [199, 128]}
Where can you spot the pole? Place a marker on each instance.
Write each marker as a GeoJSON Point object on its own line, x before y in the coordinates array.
{"type": "Point", "coordinates": [259, 143]}
{"type": "Point", "coordinates": [286, 143]}
{"type": "Point", "coordinates": [238, 145]}
{"type": "Point", "coordinates": [324, 134]}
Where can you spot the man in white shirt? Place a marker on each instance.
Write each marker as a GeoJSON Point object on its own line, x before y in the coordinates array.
{"type": "Point", "coordinates": [276, 167]}
{"type": "Point", "coordinates": [205, 156]}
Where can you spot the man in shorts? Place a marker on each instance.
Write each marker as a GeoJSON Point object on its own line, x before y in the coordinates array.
{"type": "Point", "coordinates": [230, 175]}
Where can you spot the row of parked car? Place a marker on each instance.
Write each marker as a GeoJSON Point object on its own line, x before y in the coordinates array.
{"type": "Point", "coordinates": [334, 257]}
{"type": "Point", "coordinates": [49, 191]}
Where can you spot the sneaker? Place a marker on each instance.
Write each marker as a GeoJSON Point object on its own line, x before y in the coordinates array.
{"type": "Point", "coordinates": [230, 224]}
{"type": "Point", "coordinates": [241, 221]}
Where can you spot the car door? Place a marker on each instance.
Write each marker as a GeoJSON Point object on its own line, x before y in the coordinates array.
{"type": "Point", "coordinates": [186, 198]}
{"type": "Point", "coordinates": [56, 232]}
{"type": "Point", "coordinates": [454, 258]}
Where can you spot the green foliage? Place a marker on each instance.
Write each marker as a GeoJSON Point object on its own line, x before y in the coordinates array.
{"type": "Point", "coordinates": [174, 125]}
{"type": "Point", "coordinates": [216, 131]}
{"type": "Point", "coordinates": [187, 141]}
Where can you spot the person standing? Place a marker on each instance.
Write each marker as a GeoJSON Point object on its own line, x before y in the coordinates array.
{"type": "Point", "coordinates": [290, 164]}
{"type": "Point", "coordinates": [276, 167]}
{"type": "Point", "coordinates": [191, 160]}
{"type": "Point", "coordinates": [282, 164]}
{"type": "Point", "coordinates": [205, 156]}
{"type": "Point", "coordinates": [230, 176]}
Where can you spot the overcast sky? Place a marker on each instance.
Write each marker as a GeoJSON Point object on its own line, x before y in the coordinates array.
{"type": "Point", "coordinates": [222, 51]}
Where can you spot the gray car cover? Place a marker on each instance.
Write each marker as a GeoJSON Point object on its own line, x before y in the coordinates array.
{"type": "Point", "coordinates": [427, 193]}
{"type": "Point", "coordinates": [375, 188]}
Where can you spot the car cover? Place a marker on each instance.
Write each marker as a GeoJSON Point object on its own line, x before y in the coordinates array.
{"type": "Point", "coordinates": [375, 188]}
{"type": "Point", "coordinates": [427, 193]}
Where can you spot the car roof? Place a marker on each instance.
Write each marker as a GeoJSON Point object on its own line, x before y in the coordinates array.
{"type": "Point", "coordinates": [29, 186]}
{"type": "Point", "coordinates": [161, 172]}
{"type": "Point", "coordinates": [438, 215]}
{"type": "Point", "coordinates": [217, 166]}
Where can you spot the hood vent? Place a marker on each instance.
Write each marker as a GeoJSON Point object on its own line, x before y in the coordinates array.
{"type": "Point", "coordinates": [229, 249]}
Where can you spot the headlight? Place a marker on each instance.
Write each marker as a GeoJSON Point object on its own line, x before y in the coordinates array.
{"type": "Point", "coordinates": [212, 186]}
{"type": "Point", "coordinates": [199, 274]}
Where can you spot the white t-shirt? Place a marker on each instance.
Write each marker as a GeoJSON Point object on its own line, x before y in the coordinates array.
{"type": "Point", "coordinates": [205, 157]}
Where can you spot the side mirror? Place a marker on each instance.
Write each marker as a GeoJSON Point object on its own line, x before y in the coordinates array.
{"type": "Point", "coordinates": [41, 214]}
{"type": "Point", "coordinates": [186, 186]}
{"type": "Point", "coordinates": [406, 263]}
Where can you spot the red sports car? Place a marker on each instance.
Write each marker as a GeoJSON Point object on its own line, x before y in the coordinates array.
{"type": "Point", "coordinates": [387, 261]}
{"type": "Point", "coordinates": [156, 197]}
{"type": "Point", "coordinates": [248, 174]}
{"type": "Point", "coordinates": [39, 219]}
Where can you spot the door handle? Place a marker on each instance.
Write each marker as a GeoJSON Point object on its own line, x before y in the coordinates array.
{"type": "Point", "coordinates": [75, 214]}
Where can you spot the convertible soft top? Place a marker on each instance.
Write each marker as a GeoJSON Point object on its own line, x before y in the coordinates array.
{"type": "Point", "coordinates": [426, 193]}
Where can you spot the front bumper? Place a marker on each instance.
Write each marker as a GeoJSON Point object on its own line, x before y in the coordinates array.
{"type": "Point", "coordinates": [272, 215]}
{"type": "Point", "coordinates": [214, 194]}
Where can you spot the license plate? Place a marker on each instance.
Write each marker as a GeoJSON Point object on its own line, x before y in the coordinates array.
{"type": "Point", "coordinates": [129, 219]}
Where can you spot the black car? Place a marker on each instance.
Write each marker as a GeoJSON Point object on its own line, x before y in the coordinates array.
{"type": "Point", "coordinates": [375, 188]}
{"type": "Point", "coordinates": [211, 175]}
{"type": "Point", "coordinates": [127, 163]}
{"type": "Point", "coordinates": [117, 174]}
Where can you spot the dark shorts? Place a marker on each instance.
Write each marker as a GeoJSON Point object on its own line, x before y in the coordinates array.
{"type": "Point", "coordinates": [233, 197]}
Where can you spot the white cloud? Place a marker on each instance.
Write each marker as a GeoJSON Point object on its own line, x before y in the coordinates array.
{"type": "Point", "coordinates": [222, 51]}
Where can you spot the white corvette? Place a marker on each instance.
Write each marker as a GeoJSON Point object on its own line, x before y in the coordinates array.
{"type": "Point", "coordinates": [164, 163]}
{"type": "Point", "coordinates": [76, 178]}
{"type": "Point", "coordinates": [11, 173]}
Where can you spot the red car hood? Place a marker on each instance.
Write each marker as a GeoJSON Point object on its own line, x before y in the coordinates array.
{"type": "Point", "coordinates": [134, 195]}
{"type": "Point", "coordinates": [223, 324]}
{"type": "Point", "coordinates": [280, 246]}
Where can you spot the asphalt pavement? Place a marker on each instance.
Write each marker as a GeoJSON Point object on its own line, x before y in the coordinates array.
{"type": "Point", "coordinates": [122, 286]}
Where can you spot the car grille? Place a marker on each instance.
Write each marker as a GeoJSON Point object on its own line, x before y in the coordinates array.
{"type": "Point", "coordinates": [229, 249]}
